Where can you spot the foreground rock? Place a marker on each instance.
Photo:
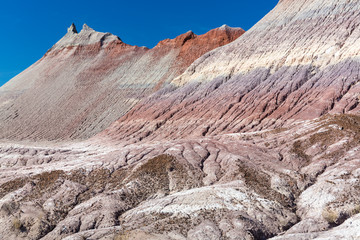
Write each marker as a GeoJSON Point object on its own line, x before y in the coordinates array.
{"type": "Point", "coordinates": [300, 182]}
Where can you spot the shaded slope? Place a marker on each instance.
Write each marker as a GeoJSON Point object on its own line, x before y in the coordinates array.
{"type": "Point", "coordinates": [89, 79]}
{"type": "Point", "coordinates": [299, 62]}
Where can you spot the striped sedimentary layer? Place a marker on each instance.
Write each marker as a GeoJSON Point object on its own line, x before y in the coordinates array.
{"type": "Point", "coordinates": [187, 178]}
{"type": "Point", "coordinates": [299, 62]}
{"type": "Point", "coordinates": [89, 79]}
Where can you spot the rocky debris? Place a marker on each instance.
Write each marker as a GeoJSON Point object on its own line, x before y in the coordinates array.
{"type": "Point", "coordinates": [89, 79]}
{"type": "Point", "coordinates": [295, 182]}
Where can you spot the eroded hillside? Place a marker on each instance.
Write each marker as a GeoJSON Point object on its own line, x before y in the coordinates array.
{"type": "Point", "coordinates": [288, 67]}
{"type": "Point", "coordinates": [299, 182]}
{"type": "Point", "coordinates": [89, 79]}
{"type": "Point", "coordinates": [257, 139]}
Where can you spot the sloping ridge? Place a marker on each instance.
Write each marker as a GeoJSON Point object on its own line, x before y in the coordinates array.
{"type": "Point", "coordinates": [299, 62]}
{"type": "Point", "coordinates": [185, 177]}
{"type": "Point", "coordinates": [89, 79]}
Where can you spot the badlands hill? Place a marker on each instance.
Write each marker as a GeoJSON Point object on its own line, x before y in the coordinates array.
{"type": "Point", "coordinates": [286, 68]}
{"type": "Point", "coordinates": [258, 139]}
{"type": "Point", "coordinates": [89, 79]}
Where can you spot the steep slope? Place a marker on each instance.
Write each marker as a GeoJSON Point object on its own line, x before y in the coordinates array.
{"type": "Point", "coordinates": [90, 79]}
{"type": "Point", "coordinates": [198, 159]}
{"type": "Point", "coordinates": [290, 66]}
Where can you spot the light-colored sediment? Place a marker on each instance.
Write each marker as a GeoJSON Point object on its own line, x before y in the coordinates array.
{"type": "Point", "coordinates": [257, 139]}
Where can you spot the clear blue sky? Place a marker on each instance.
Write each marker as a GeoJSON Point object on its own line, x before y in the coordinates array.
{"type": "Point", "coordinates": [30, 28]}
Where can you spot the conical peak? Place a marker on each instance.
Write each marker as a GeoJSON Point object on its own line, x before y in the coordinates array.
{"type": "Point", "coordinates": [224, 26]}
{"type": "Point", "coordinates": [228, 28]}
{"type": "Point", "coordinates": [87, 28]}
{"type": "Point", "coordinates": [72, 29]}
{"type": "Point", "coordinates": [87, 36]}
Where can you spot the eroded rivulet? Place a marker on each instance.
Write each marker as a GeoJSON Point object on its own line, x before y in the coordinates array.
{"type": "Point", "coordinates": [256, 139]}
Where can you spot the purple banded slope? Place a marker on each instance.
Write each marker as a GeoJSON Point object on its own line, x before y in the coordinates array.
{"type": "Point", "coordinates": [89, 79]}
{"type": "Point", "coordinates": [299, 62]}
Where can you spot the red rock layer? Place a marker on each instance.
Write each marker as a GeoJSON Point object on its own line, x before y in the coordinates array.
{"type": "Point", "coordinates": [288, 67]}
{"type": "Point", "coordinates": [90, 79]}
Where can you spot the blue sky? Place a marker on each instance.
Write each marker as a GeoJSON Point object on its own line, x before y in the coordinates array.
{"type": "Point", "coordinates": [30, 28]}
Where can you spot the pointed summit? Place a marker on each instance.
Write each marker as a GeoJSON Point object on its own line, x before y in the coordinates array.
{"type": "Point", "coordinates": [72, 29]}
{"type": "Point", "coordinates": [87, 28]}
{"type": "Point", "coordinates": [224, 27]}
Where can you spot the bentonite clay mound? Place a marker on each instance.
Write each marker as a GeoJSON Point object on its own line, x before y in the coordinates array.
{"type": "Point", "coordinates": [89, 79]}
